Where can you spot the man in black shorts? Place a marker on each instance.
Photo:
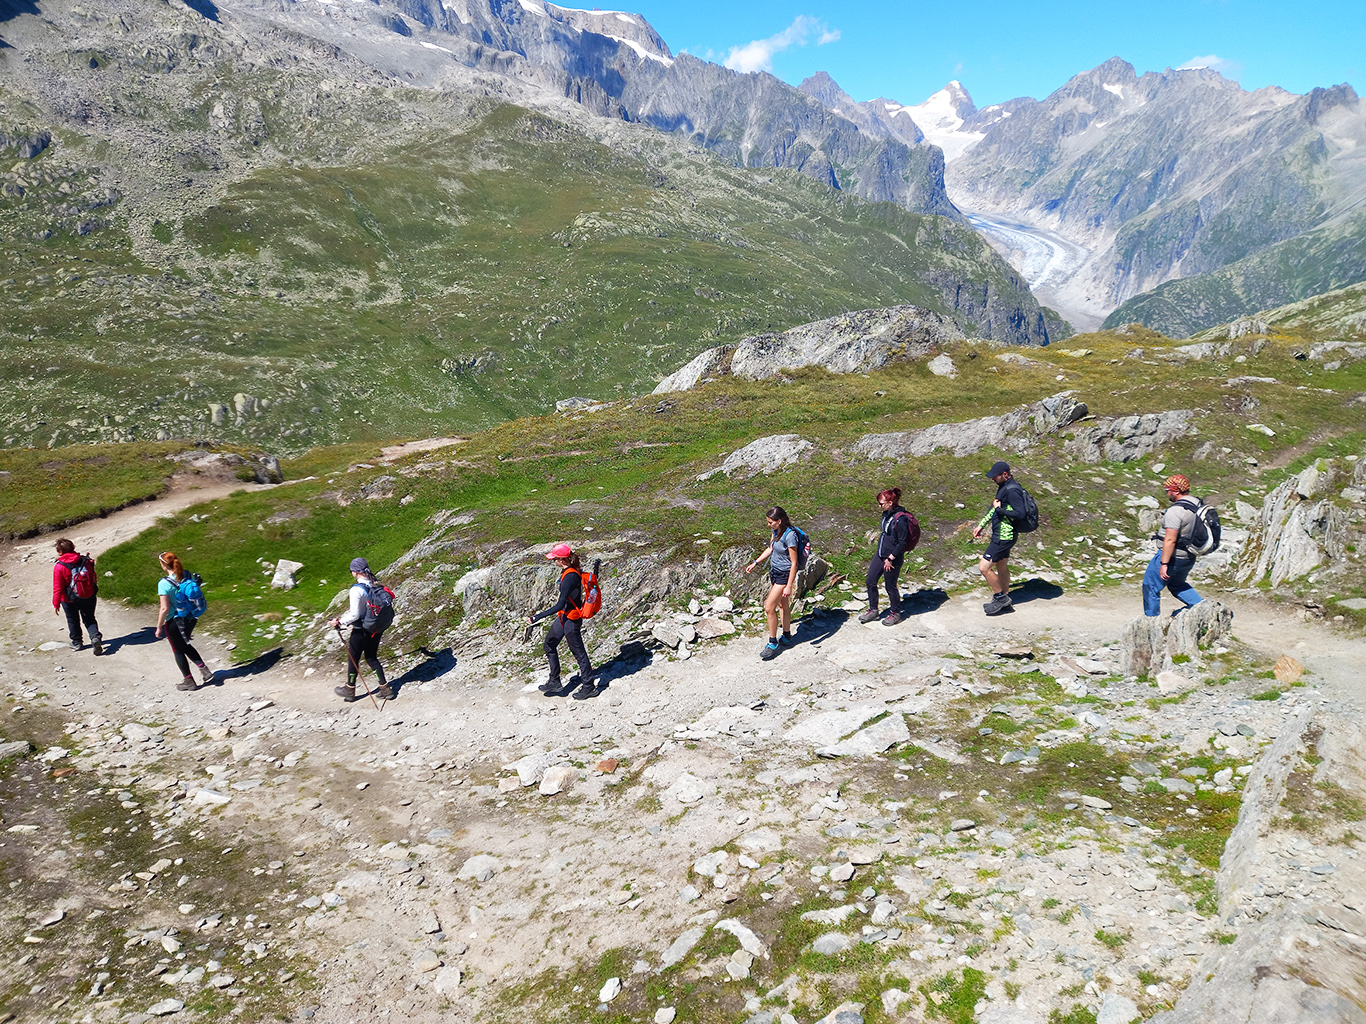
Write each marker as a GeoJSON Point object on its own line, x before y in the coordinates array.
{"type": "Point", "coordinates": [994, 565]}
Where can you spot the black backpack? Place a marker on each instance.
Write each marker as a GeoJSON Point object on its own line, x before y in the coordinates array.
{"type": "Point", "coordinates": [1207, 531]}
{"type": "Point", "coordinates": [1029, 522]}
{"type": "Point", "coordinates": [378, 614]}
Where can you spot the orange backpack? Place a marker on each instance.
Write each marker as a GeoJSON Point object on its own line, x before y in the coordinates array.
{"type": "Point", "coordinates": [592, 593]}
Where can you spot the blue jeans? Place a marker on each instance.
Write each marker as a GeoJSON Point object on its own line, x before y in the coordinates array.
{"type": "Point", "coordinates": [1177, 571]}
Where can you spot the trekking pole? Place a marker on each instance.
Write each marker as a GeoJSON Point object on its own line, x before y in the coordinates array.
{"type": "Point", "coordinates": [356, 668]}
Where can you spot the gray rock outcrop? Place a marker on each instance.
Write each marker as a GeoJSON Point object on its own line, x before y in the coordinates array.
{"type": "Point", "coordinates": [850, 343]}
{"type": "Point", "coordinates": [1015, 430]}
{"type": "Point", "coordinates": [260, 468]}
{"type": "Point", "coordinates": [1125, 438]}
{"type": "Point", "coordinates": [1294, 533]}
{"type": "Point", "coordinates": [1294, 960]}
{"type": "Point", "coordinates": [1148, 644]}
{"type": "Point", "coordinates": [766, 455]}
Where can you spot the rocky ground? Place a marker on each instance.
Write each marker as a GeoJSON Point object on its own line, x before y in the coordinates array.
{"type": "Point", "coordinates": [957, 818]}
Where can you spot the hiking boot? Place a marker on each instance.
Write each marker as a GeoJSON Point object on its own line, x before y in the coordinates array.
{"type": "Point", "coordinates": [346, 693]}
{"type": "Point", "coordinates": [587, 691]}
{"type": "Point", "coordinates": [187, 683]}
{"type": "Point", "coordinates": [206, 674]}
{"type": "Point", "coordinates": [892, 619]}
{"type": "Point", "coordinates": [551, 688]}
{"type": "Point", "coordinates": [770, 651]}
{"type": "Point", "coordinates": [76, 645]}
{"type": "Point", "coordinates": [998, 604]}
{"type": "Point", "coordinates": [384, 693]}
{"type": "Point", "coordinates": [869, 615]}
{"type": "Point", "coordinates": [99, 647]}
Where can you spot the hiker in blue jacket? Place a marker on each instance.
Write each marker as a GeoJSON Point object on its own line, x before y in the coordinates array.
{"type": "Point", "coordinates": [782, 578]}
{"type": "Point", "coordinates": [894, 540]}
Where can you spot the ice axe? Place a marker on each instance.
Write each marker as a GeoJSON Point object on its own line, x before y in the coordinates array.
{"type": "Point", "coordinates": [356, 668]}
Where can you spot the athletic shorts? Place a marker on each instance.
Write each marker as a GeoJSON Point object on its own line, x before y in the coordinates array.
{"type": "Point", "coordinates": [998, 551]}
{"type": "Point", "coordinates": [778, 576]}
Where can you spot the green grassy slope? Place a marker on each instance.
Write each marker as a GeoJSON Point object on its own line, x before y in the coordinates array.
{"type": "Point", "coordinates": [452, 283]}
{"type": "Point", "coordinates": [1318, 261]}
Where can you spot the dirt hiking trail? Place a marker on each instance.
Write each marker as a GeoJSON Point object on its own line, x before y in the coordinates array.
{"type": "Point", "coordinates": [259, 849]}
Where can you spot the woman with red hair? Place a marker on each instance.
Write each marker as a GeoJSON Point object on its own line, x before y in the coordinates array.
{"type": "Point", "coordinates": [900, 533]}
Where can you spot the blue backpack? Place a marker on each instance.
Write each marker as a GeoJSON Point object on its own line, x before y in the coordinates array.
{"type": "Point", "coordinates": [190, 595]}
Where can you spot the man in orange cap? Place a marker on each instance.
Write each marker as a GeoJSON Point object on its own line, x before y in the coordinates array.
{"type": "Point", "coordinates": [1174, 559]}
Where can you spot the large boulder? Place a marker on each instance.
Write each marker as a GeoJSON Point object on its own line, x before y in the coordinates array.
{"type": "Point", "coordinates": [1015, 430]}
{"type": "Point", "coordinates": [1149, 644]}
{"type": "Point", "coordinates": [766, 455]}
{"type": "Point", "coordinates": [1125, 438]}
{"type": "Point", "coordinates": [849, 343]}
{"type": "Point", "coordinates": [1294, 534]}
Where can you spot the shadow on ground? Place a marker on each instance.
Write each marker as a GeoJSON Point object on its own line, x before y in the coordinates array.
{"type": "Point", "coordinates": [1035, 590]}
{"type": "Point", "coordinates": [263, 662]}
{"type": "Point", "coordinates": [432, 665]}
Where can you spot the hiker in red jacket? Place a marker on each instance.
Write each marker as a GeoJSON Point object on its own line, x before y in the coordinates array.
{"type": "Point", "coordinates": [74, 590]}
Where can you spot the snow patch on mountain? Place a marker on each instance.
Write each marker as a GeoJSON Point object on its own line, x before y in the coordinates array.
{"type": "Point", "coordinates": [941, 118]}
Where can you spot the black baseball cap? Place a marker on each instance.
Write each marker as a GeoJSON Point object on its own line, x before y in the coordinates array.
{"type": "Point", "coordinates": [997, 468]}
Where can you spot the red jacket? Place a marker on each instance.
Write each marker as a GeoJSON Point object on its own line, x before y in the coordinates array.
{"type": "Point", "coordinates": [61, 575]}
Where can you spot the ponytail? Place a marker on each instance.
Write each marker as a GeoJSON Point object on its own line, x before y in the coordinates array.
{"type": "Point", "coordinates": [893, 495]}
{"type": "Point", "coordinates": [172, 565]}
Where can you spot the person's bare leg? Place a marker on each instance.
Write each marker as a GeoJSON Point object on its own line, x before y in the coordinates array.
{"type": "Point", "coordinates": [1003, 577]}
{"type": "Point", "coordinates": [786, 604]}
{"type": "Point", "coordinates": [775, 594]}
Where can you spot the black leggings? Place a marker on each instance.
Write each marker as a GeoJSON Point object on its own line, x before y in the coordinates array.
{"type": "Point", "coordinates": [178, 632]}
{"type": "Point", "coordinates": [571, 631]}
{"type": "Point", "coordinates": [362, 644]}
{"type": "Point", "coordinates": [889, 578]}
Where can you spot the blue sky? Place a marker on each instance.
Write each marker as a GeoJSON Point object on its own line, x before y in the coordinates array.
{"type": "Point", "coordinates": [1000, 50]}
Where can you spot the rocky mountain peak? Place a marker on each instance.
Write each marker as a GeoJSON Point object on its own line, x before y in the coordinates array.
{"type": "Point", "coordinates": [822, 87]}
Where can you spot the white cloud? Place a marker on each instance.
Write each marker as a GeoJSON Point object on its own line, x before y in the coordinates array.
{"type": "Point", "coordinates": [758, 55]}
{"type": "Point", "coordinates": [1230, 69]}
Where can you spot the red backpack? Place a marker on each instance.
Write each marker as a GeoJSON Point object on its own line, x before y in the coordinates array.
{"type": "Point", "coordinates": [82, 582]}
{"type": "Point", "coordinates": [912, 530]}
{"type": "Point", "coordinates": [592, 593]}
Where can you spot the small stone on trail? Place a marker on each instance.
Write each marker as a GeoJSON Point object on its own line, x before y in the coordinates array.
{"type": "Point", "coordinates": [610, 990]}
{"type": "Point", "coordinates": [831, 943]}
{"type": "Point", "coordinates": [841, 872]}
{"type": "Point", "coordinates": [1097, 803]}
{"type": "Point", "coordinates": [1117, 1009]}
{"type": "Point", "coordinates": [165, 1007]}
{"type": "Point", "coordinates": [961, 824]}
{"type": "Point", "coordinates": [362, 785]}
{"type": "Point", "coordinates": [426, 962]}
{"type": "Point", "coordinates": [608, 766]}
{"type": "Point", "coordinates": [480, 867]}
{"type": "Point", "coordinates": [1143, 882]}
{"type": "Point", "coordinates": [665, 1015]}
{"type": "Point", "coordinates": [1287, 669]}
{"type": "Point", "coordinates": [557, 779]}
{"type": "Point", "coordinates": [447, 981]}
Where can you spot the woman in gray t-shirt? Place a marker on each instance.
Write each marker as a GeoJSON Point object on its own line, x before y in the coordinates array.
{"type": "Point", "coordinates": [782, 577]}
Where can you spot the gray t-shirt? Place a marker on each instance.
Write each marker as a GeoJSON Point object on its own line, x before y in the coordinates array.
{"type": "Point", "coordinates": [779, 560]}
{"type": "Point", "coordinates": [1181, 518]}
